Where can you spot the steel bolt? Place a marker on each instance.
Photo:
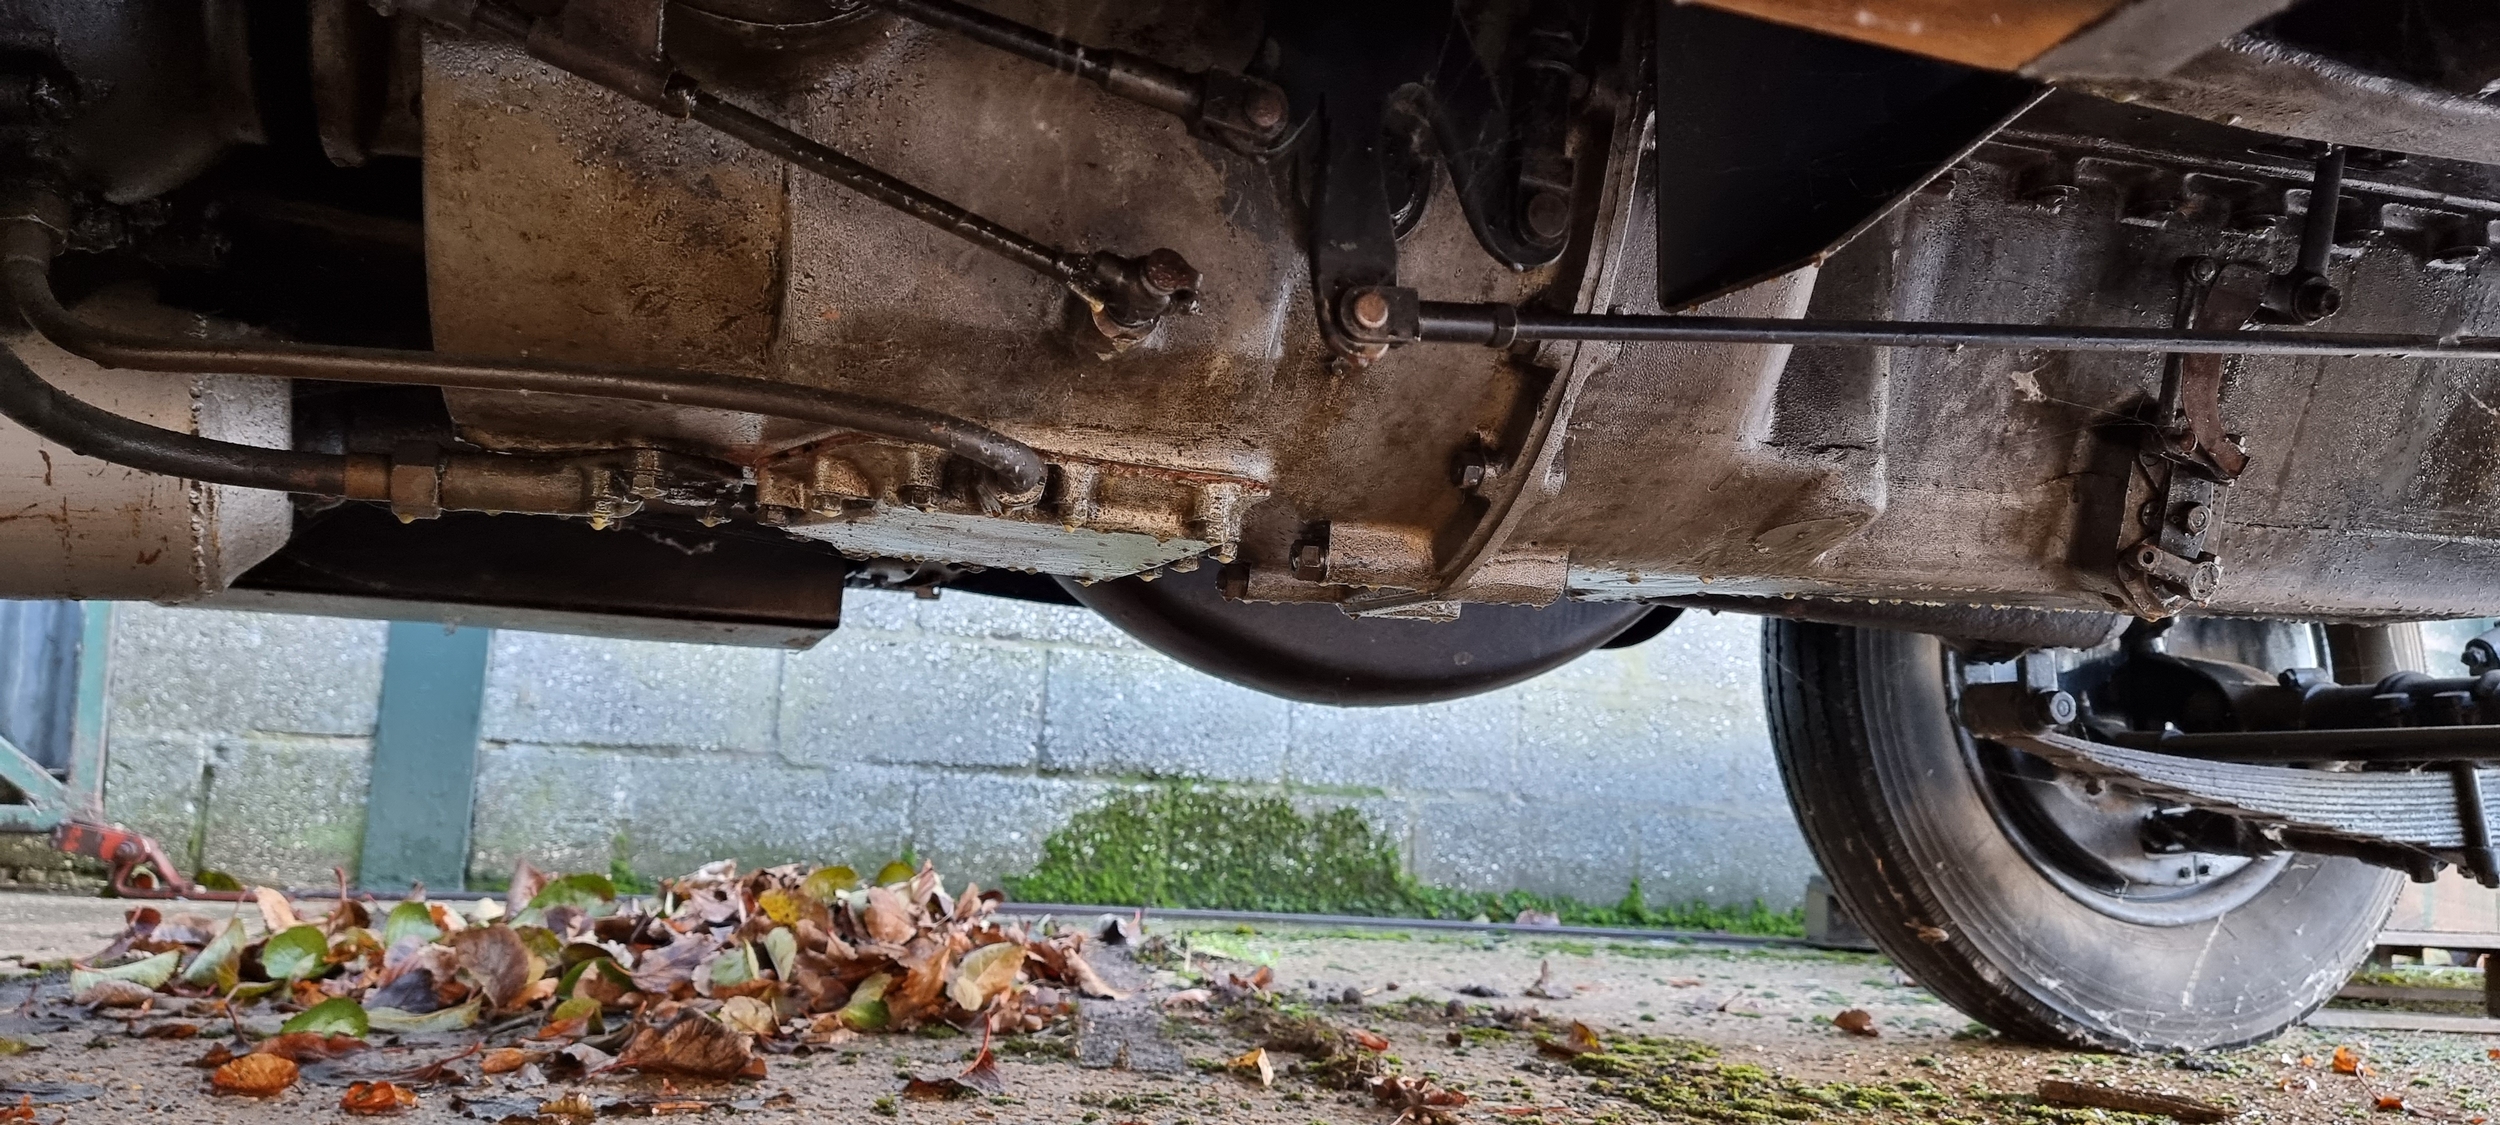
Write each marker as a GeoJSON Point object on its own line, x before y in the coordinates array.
{"type": "Point", "coordinates": [1310, 562]}
{"type": "Point", "coordinates": [1369, 310]}
{"type": "Point", "coordinates": [2204, 581]}
{"type": "Point", "coordinates": [1166, 273]}
{"type": "Point", "coordinates": [2196, 518]}
{"type": "Point", "coordinates": [2053, 707]}
{"type": "Point", "coordinates": [1265, 108]}
{"type": "Point", "coordinates": [2204, 270]}
{"type": "Point", "coordinates": [1547, 215]}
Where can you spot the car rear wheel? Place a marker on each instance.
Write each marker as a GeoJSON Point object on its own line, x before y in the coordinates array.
{"type": "Point", "coordinates": [2033, 902]}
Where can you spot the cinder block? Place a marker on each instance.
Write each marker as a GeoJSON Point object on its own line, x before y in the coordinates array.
{"type": "Point", "coordinates": [1464, 745]}
{"type": "Point", "coordinates": [596, 691]}
{"type": "Point", "coordinates": [984, 827]}
{"type": "Point", "coordinates": [1581, 849]}
{"type": "Point", "coordinates": [905, 699]}
{"type": "Point", "coordinates": [286, 810]}
{"type": "Point", "coordinates": [1006, 619]}
{"type": "Point", "coordinates": [153, 783]}
{"type": "Point", "coordinates": [1124, 713]}
{"type": "Point", "coordinates": [1723, 859]}
{"type": "Point", "coordinates": [568, 809]}
{"type": "Point", "coordinates": [220, 672]}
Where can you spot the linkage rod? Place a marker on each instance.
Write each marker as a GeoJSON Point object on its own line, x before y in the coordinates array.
{"type": "Point", "coordinates": [1493, 325]}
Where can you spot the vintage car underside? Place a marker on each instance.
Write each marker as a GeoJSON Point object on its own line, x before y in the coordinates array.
{"type": "Point", "coordinates": [1347, 303]}
{"type": "Point", "coordinates": [2093, 387]}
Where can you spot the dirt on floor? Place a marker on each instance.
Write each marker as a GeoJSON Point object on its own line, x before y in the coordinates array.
{"type": "Point", "coordinates": [1738, 1036]}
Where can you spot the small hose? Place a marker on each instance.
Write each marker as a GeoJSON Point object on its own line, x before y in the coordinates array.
{"type": "Point", "coordinates": [29, 401]}
{"type": "Point", "coordinates": [26, 247]}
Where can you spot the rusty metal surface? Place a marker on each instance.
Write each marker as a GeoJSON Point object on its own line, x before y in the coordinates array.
{"type": "Point", "coordinates": [568, 222]}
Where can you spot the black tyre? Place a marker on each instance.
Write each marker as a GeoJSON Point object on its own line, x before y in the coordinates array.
{"type": "Point", "coordinates": [2013, 894]}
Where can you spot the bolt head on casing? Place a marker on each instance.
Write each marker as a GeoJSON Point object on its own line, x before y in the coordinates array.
{"type": "Point", "coordinates": [1369, 310]}
{"type": "Point", "coordinates": [2053, 708]}
{"type": "Point", "coordinates": [1310, 562]}
{"type": "Point", "coordinates": [2196, 519]}
{"type": "Point", "coordinates": [1264, 108]}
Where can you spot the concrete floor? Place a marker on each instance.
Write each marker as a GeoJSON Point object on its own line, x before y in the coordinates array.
{"type": "Point", "coordinates": [1762, 1007]}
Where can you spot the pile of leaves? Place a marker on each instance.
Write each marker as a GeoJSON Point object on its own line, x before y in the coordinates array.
{"type": "Point", "coordinates": [702, 980]}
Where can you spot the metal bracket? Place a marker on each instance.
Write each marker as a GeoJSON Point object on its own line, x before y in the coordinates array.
{"type": "Point", "coordinates": [2176, 490]}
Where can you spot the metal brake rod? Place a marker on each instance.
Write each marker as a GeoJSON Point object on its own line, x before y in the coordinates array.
{"type": "Point", "coordinates": [1495, 325]}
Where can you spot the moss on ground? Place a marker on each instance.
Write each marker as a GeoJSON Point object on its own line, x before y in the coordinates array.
{"type": "Point", "coordinates": [1206, 847]}
{"type": "Point", "coordinates": [1686, 1081]}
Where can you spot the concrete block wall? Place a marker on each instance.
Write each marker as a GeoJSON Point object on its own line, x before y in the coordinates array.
{"type": "Point", "coordinates": [966, 730]}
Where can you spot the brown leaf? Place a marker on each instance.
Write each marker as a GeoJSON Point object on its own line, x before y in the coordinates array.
{"type": "Point", "coordinates": [2188, 1110]}
{"type": "Point", "coordinates": [171, 1031]}
{"type": "Point", "coordinates": [2390, 1103]}
{"type": "Point", "coordinates": [1416, 1099]}
{"type": "Point", "coordinates": [275, 911]}
{"type": "Point", "coordinates": [982, 1078]}
{"type": "Point", "coordinates": [297, 1046]}
{"type": "Point", "coordinates": [495, 960]}
{"type": "Point", "coordinates": [254, 1076]}
{"type": "Point", "coordinates": [887, 917]}
{"type": "Point", "coordinates": [375, 1099]}
{"type": "Point", "coordinates": [691, 1044]}
{"type": "Point", "coordinates": [1581, 1039]}
{"type": "Point", "coordinates": [218, 1055]}
{"type": "Point", "coordinates": [1544, 988]}
{"type": "Point", "coordinates": [1088, 982]}
{"type": "Point", "coordinates": [24, 1110]}
{"type": "Point", "coordinates": [2348, 1062]}
{"type": "Point", "coordinates": [1256, 1063]}
{"type": "Point", "coordinates": [527, 881]}
{"type": "Point", "coordinates": [110, 993]}
{"type": "Point", "coordinates": [1856, 1021]}
{"type": "Point", "coordinates": [1368, 1041]}
{"type": "Point", "coordinates": [504, 1060]}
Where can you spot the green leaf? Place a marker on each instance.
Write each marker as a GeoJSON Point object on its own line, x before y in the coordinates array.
{"type": "Point", "coordinates": [587, 891]}
{"type": "Point", "coordinates": [146, 973]}
{"type": "Point", "coordinates": [335, 1016]}
{"type": "Point", "coordinates": [573, 977]}
{"type": "Point", "coordinates": [578, 1008]}
{"type": "Point", "coordinates": [734, 966]}
{"type": "Point", "coordinates": [216, 881]}
{"type": "Point", "coordinates": [223, 950]}
{"type": "Point", "coordinates": [827, 883]}
{"type": "Point", "coordinates": [249, 993]}
{"type": "Point", "coordinates": [409, 919]}
{"type": "Point", "coordinates": [542, 942]}
{"type": "Point", "coordinates": [866, 1011]}
{"type": "Point", "coordinates": [784, 948]}
{"type": "Point", "coordinates": [295, 955]}
{"type": "Point", "coordinates": [985, 972]}
{"type": "Point", "coordinates": [152, 972]}
{"type": "Point", "coordinates": [895, 872]}
{"type": "Point", "coordinates": [397, 1022]}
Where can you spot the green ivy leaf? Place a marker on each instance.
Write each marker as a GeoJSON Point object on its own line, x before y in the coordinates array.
{"type": "Point", "coordinates": [223, 950]}
{"type": "Point", "coordinates": [866, 1011]}
{"type": "Point", "coordinates": [295, 955]}
{"type": "Point", "coordinates": [409, 919]}
{"type": "Point", "coordinates": [335, 1016]}
{"type": "Point", "coordinates": [588, 891]}
{"type": "Point", "coordinates": [397, 1022]}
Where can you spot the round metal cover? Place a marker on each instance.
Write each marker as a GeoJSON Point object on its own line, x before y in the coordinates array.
{"type": "Point", "coordinates": [1315, 653]}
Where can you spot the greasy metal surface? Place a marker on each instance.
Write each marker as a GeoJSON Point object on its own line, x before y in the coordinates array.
{"type": "Point", "coordinates": [2262, 84]}
{"type": "Point", "coordinates": [2148, 38]}
{"type": "Point", "coordinates": [1990, 476]}
{"type": "Point", "coordinates": [796, 278]}
{"type": "Point", "coordinates": [1620, 471]}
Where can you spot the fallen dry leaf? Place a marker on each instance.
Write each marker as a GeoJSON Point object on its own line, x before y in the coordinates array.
{"type": "Point", "coordinates": [1856, 1021]}
{"type": "Point", "coordinates": [2390, 1103]}
{"type": "Point", "coordinates": [1683, 982]}
{"type": "Point", "coordinates": [1368, 1041]}
{"type": "Point", "coordinates": [1254, 1063]}
{"type": "Point", "coordinates": [2348, 1062]}
{"type": "Point", "coordinates": [504, 1060]}
{"type": "Point", "coordinates": [374, 1099]}
{"type": "Point", "coordinates": [494, 959]}
{"type": "Point", "coordinates": [24, 1110]}
{"type": "Point", "coordinates": [1188, 998]}
{"type": "Point", "coordinates": [1088, 982]}
{"type": "Point", "coordinates": [1544, 988]}
{"type": "Point", "coordinates": [887, 917]}
{"type": "Point", "coordinates": [297, 1046]}
{"type": "Point", "coordinates": [1418, 1102]}
{"type": "Point", "coordinates": [1581, 1039]}
{"type": "Point", "coordinates": [750, 1015]}
{"type": "Point", "coordinates": [114, 994]}
{"type": "Point", "coordinates": [275, 911]}
{"type": "Point", "coordinates": [254, 1076]}
{"type": "Point", "coordinates": [2188, 1110]}
{"type": "Point", "coordinates": [690, 1044]}
{"type": "Point", "coordinates": [982, 1078]}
